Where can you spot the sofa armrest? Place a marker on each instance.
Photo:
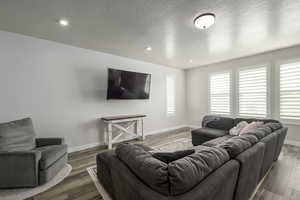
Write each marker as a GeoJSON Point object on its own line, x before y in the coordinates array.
{"type": "Point", "coordinates": [19, 169]}
{"type": "Point", "coordinates": [40, 142]}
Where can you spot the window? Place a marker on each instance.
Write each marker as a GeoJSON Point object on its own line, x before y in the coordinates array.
{"type": "Point", "coordinates": [220, 92]}
{"type": "Point", "coordinates": [170, 83]}
{"type": "Point", "coordinates": [290, 91]}
{"type": "Point", "coordinates": [252, 92]}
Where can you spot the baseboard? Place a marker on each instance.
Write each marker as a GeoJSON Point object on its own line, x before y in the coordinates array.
{"type": "Point", "coordinates": [293, 143]}
{"type": "Point", "coordinates": [84, 147]}
{"type": "Point", "coordinates": [91, 145]}
{"type": "Point", "coordinates": [165, 130]}
{"type": "Point", "coordinates": [193, 126]}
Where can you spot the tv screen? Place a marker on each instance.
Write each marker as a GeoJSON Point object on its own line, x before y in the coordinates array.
{"type": "Point", "coordinates": [128, 85]}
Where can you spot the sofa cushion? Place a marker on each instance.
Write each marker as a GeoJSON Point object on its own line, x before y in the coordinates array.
{"type": "Point", "coordinates": [187, 172]}
{"type": "Point", "coordinates": [17, 135]}
{"type": "Point", "coordinates": [150, 170]}
{"type": "Point", "coordinates": [250, 138]}
{"type": "Point", "coordinates": [50, 154]}
{"type": "Point", "coordinates": [215, 142]}
{"type": "Point", "coordinates": [168, 157]}
{"type": "Point", "coordinates": [210, 132]}
{"type": "Point", "coordinates": [216, 122]}
{"type": "Point", "coordinates": [266, 128]}
{"type": "Point", "coordinates": [259, 132]}
{"type": "Point", "coordinates": [249, 120]}
{"type": "Point", "coordinates": [235, 145]}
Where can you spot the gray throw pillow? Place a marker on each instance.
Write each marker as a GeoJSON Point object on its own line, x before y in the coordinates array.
{"type": "Point", "coordinates": [274, 126]}
{"type": "Point", "coordinates": [168, 157]}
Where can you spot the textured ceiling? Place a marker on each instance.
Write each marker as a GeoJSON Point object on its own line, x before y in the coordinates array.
{"type": "Point", "coordinates": [126, 27]}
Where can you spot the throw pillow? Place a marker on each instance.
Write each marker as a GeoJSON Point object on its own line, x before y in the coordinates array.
{"type": "Point", "coordinates": [250, 126]}
{"type": "Point", "coordinates": [168, 157]}
{"type": "Point", "coordinates": [237, 129]}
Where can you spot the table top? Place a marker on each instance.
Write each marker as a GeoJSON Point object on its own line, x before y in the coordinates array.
{"type": "Point", "coordinates": [120, 117]}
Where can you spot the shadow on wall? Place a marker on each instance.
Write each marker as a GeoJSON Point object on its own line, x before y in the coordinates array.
{"type": "Point", "coordinates": [92, 83]}
{"type": "Point", "coordinates": [92, 128]}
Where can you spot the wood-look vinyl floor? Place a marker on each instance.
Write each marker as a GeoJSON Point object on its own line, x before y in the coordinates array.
{"type": "Point", "coordinates": [282, 183]}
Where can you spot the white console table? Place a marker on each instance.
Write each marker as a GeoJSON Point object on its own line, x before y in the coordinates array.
{"type": "Point", "coordinates": [117, 122]}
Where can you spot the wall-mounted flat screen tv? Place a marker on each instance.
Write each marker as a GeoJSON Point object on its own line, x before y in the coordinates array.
{"type": "Point", "coordinates": [128, 85]}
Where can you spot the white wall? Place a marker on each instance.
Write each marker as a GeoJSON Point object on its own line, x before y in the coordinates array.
{"type": "Point", "coordinates": [63, 88]}
{"type": "Point", "coordinates": [197, 84]}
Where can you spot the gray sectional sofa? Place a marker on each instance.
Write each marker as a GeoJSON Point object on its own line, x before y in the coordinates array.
{"type": "Point", "coordinates": [221, 168]}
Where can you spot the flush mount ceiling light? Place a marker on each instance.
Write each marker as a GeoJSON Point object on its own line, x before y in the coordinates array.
{"type": "Point", "coordinates": [63, 22]}
{"type": "Point", "coordinates": [205, 20]}
{"type": "Point", "coordinates": [148, 48]}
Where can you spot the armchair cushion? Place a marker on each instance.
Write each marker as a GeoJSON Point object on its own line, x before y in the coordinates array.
{"type": "Point", "coordinates": [50, 154]}
{"type": "Point", "coordinates": [40, 142]}
{"type": "Point", "coordinates": [17, 135]}
{"type": "Point", "coordinates": [19, 169]}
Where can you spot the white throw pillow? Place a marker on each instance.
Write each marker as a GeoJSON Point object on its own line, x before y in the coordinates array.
{"type": "Point", "coordinates": [237, 129]}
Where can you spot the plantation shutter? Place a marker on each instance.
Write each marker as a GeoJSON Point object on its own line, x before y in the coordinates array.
{"type": "Point", "coordinates": [170, 95]}
{"type": "Point", "coordinates": [290, 91]}
{"type": "Point", "coordinates": [220, 92]}
{"type": "Point", "coordinates": [252, 92]}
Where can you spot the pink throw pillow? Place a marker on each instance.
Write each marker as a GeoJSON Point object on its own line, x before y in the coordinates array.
{"type": "Point", "coordinates": [251, 126]}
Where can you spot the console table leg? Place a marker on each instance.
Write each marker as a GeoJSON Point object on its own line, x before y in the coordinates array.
{"type": "Point", "coordinates": [136, 130]}
{"type": "Point", "coordinates": [105, 134]}
{"type": "Point", "coordinates": [142, 129]}
{"type": "Point", "coordinates": [109, 132]}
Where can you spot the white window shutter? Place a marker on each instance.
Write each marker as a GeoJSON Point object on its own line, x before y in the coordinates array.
{"type": "Point", "coordinates": [252, 92]}
{"type": "Point", "coordinates": [170, 84]}
{"type": "Point", "coordinates": [220, 93]}
{"type": "Point", "coordinates": [290, 91]}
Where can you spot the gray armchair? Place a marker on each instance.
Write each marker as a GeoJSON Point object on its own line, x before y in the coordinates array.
{"type": "Point", "coordinates": [26, 161]}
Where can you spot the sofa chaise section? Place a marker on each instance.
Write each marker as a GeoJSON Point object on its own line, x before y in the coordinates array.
{"type": "Point", "coordinates": [212, 127]}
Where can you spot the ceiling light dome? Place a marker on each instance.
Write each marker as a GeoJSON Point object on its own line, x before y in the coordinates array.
{"type": "Point", "coordinates": [148, 48]}
{"type": "Point", "coordinates": [63, 22]}
{"type": "Point", "coordinates": [205, 20]}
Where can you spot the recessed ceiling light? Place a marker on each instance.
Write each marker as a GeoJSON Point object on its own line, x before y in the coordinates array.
{"type": "Point", "coordinates": [148, 48]}
{"type": "Point", "coordinates": [190, 60]}
{"type": "Point", "coordinates": [205, 20]}
{"type": "Point", "coordinates": [63, 22]}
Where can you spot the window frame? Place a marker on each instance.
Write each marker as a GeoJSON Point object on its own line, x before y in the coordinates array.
{"type": "Point", "coordinates": [230, 114]}
{"type": "Point", "coordinates": [268, 87]}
